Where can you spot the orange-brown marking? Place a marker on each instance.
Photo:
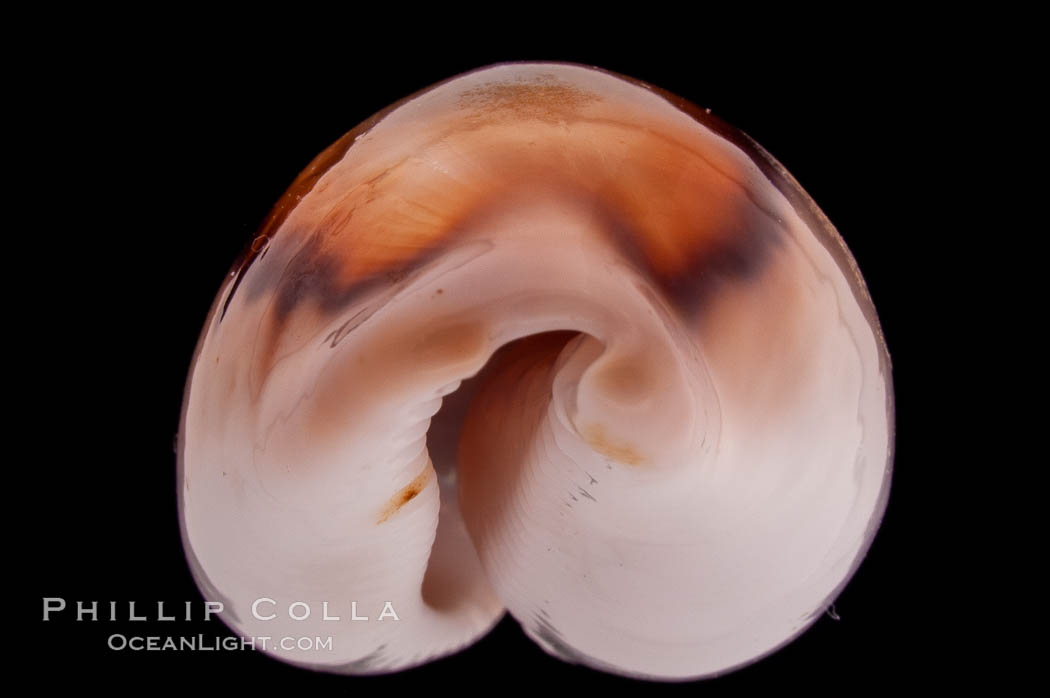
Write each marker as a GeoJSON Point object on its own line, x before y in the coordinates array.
{"type": "Point", "coordinates": [600, 442]}
{"type": "Point", "coordinates": [626, 380]}
{"type": "Point", "coordinates": [450, 345]}
{"type": "Point", "coordinates": [540, 98]}
{"type": "Point", "coordinates": [405, 495]}
{"type": "Point", "coordinates": [676, 202]}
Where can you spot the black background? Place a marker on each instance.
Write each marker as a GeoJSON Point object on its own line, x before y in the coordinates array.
{"type": "Point", "coordinates": [152, 165]}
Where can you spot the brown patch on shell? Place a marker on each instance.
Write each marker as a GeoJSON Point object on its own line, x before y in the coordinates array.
{"type": "Point", "coordinates": [678, 207]}
{"type": "Point", "coordinates": [405, 495]}
{"type": "Point", "coordinates": [626, 381]}
{"type": "Point", "coordinates": [446, 346]}
{"type": "Point", "coordinates": [621, 452]}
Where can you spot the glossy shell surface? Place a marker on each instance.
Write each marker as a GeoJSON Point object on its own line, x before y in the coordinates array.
{"type": "Point", "coordinates": [545, 340]}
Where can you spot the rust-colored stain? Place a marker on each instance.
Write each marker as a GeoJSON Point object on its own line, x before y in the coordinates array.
{"type": "Point", "coordinates": [626, 380]}
{"type": "Point", "coordinates": [405, 495]}
{"type": "Point", "coordinates": [678, 205]}
{"type": "Point", "coordinates": [621, 452]}
{"type": "Point", "coordinates": [450, 345]}
{"type": "Point", "coordinates": [540, 98]}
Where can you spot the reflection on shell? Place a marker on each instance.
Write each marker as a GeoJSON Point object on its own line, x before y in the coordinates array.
{"type": "Point", "coordinates": [546, 340]}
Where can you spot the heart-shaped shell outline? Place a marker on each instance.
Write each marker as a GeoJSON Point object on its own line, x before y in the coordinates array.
{"type": "Point", "coordinates": [666, 277]}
